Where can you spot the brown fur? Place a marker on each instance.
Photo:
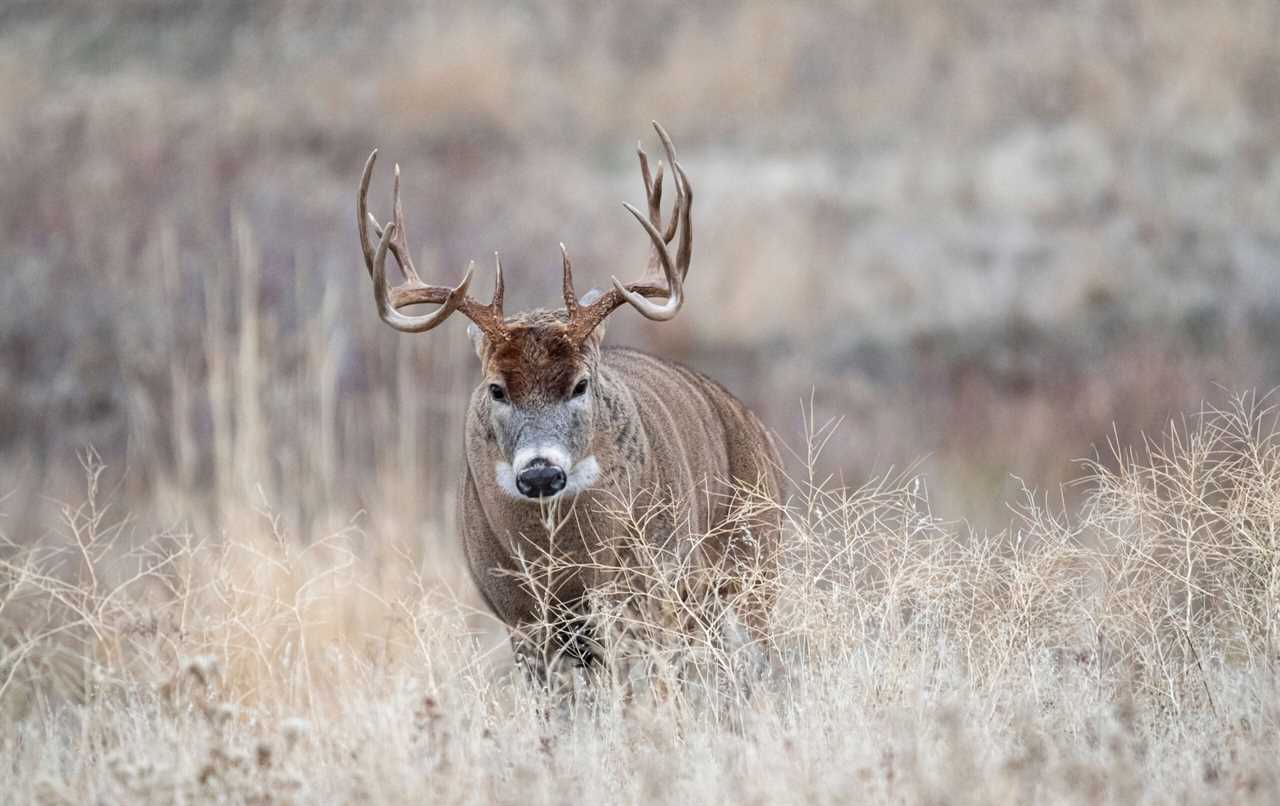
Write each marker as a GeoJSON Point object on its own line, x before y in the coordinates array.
{"type": "Point", "coordinates": [537, 356]}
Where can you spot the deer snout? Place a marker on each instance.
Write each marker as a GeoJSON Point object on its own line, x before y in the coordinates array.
{"type": "Point", "coordinates": [540, 479]}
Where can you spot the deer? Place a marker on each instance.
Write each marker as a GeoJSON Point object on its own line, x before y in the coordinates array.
{"type": "Point", "coordinates": [560, 420]}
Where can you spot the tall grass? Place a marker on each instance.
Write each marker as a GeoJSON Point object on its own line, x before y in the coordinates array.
{"type": "Point", "coordinates": [1122, 654]}
{"type": "Point", "coordinates": [984, 230]}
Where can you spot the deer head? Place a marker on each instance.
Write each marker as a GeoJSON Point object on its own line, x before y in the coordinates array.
{"type": "Point", "coordinates": [541, 392]}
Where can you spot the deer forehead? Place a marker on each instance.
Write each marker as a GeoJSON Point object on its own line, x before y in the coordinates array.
{"type": "Point", "coordinates": [537, 361]}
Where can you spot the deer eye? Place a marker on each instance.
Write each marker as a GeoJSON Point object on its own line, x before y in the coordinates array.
{"type": "Point", "coordinates": [580, 389]}
{"type": "Point", "coordinates": [497, 392]}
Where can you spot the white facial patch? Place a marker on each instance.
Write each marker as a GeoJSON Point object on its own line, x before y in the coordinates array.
{"type": "Point", "coordinates": [506, 478]}
{"type": "Point", "coordinates": [582, 476]}
{"type": "Point", "coordinates": [578, 477]}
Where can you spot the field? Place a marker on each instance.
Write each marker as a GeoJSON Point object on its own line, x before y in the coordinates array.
{"type": "Point", "coordinates": [1003, 275]}
{"type": "Point", "coordinates": [1125, 654]}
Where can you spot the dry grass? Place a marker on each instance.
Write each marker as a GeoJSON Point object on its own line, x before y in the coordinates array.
{"type": "Point", "coordinates": [1126, 654]}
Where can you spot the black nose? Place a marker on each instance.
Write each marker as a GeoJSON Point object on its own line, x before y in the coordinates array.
{"type": "Point", "coordinates": [540, 480]}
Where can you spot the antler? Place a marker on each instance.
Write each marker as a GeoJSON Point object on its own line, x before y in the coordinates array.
{"type": "Point", "coordinates": [390, 299]}
{"type": "Point", "coordinates": [584, 318]}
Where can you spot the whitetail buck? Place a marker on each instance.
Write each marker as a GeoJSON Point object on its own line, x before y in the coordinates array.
{"type": "Point", "coordinates": [559, 420]}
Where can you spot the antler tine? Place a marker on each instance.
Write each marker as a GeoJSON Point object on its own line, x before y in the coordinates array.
{"type": "Point", "coordinates": [570, 296]}
{"type": "Point", "coordinates": [684, 250]}
{"type": "Point", "coordinates": [644, 169]}
{"type": "Point", "coordinates": [681, 182]}
{"type": "Point", "coordinates": [499, 288]}
{"type": "Point", "coordinates": [362, 212]}
{"type": "Point", "coordinates": [653, 194]}
{"type": "Point", "coordinates": [404, 258]}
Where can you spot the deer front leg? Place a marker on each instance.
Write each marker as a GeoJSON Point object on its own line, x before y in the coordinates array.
{"type": "Point", "coordinates": [560, 643]}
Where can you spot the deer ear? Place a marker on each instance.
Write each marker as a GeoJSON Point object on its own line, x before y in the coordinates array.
{"type": "Point", "coordinates": [595, 338]}
{"type": "Point", "coordinates": [478, 340]}
{"type": "Point", "coordinates": [597, 335]}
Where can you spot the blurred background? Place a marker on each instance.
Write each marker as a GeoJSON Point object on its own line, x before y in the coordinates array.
{"type": "Point", "coordinates": [989, 234]}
